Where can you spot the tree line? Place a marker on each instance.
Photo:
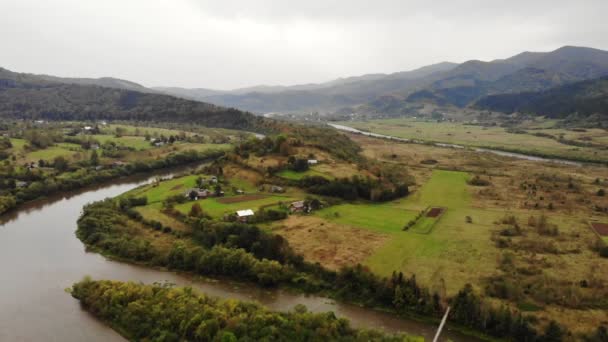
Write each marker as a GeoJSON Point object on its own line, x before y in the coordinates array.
{"type": "Point", "coordinates": [164, 313]}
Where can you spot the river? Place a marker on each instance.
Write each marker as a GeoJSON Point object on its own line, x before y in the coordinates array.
{"type": "Point", "coordinates": [40, 256]}
{"type": "Point", "coordinates": [476, 149]}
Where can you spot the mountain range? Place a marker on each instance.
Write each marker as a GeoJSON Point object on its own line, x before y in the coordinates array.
{"type": "Point", "coordinates": [445, 84]}
{"type": "Point", "coordinates": [517, 83]}
{"type": "Point", "coordinates": [28, 96]}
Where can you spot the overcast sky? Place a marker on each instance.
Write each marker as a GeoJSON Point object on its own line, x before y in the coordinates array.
{"type": "Point", "coordinates": [227, 44]}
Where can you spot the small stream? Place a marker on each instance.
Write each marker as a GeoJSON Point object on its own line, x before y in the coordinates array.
{"type": "Point", "coordinates": [40, 256]}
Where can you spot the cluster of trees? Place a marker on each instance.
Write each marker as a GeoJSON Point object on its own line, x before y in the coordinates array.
{"type": "Point", "coordinates": [162, 313]}
{"type": "Point", "coordinates": [337, 144]}
{"type": "Point", "coordinates": [354, 188]}
{"type": "Point", "coordinates": [254, 240]}
{"type": "Point", "coordinates": [298, 164]}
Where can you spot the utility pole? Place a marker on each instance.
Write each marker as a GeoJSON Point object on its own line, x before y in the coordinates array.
{"type": "Point", "coordinates": [445, 317]}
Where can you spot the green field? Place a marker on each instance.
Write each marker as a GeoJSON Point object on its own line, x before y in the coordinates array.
{"type": "Point", "coordinates": [216, 209]}
{"type": "Point", "coordinates": [138, 143]}
{"type": "Point", "coordinates": [18, 144]}
{"type": "Point", "coordinates": [424, 225]}
{"type": "Point", "coordinates": [157, 193]}
{"type": "Point", "coordinates": [293, 175]}
{"type": "Point", "coordinates": [445, 189]}
{"type": "Point", "coordinates": [52, 152]}
{"type": "Point", "coordinates": [452, 250]}
{"type": "Point", "coordinates": [384, 218]}
{"type": "Point", "coordinates": [489, 137]}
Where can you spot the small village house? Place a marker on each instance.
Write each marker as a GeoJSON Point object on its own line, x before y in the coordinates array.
{"type": "Point", "coordinates": [313, 162]}
{"type": "Point", "coordinates": [196, 193]}
{"type": "Point", "coordinates": [244, 215]}
{"type": "Point", "coordinates": [276, 188]}
{"type": "Point", "coordinates": [297, 207]}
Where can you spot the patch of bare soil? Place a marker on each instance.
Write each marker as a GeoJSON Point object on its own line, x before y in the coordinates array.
{"type": "Point", "coordinates": [330, 244]}
{"type": "Point", "coordinates": [434, 212]}
{"type": "Point", "coordinates": [601, 228]}
{"type": "Point", "coordinates": [245, 198]}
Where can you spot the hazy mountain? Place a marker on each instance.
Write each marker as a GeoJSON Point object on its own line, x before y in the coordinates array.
{"type": "Point", "coordinates": [108, 82]}
{"type": "Point", "coordinates": [445, 84]}
{"type": "Point", "coordinates": [27, 96]}
{"type": "Point", "coordinates": [528, 71]}
{"type": "Point", "coordinates": [310, 97]}
{"type": "Point", "coordinates": [584, 98]}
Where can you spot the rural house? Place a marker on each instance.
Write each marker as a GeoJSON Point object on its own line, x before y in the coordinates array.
{"type": "Point", "coordinates": [312, 162]}
{"type": "Point", "coordinates": [198, 193]}
{"type": "Point", "coordinates": [244, 215]}
{"type": "Point", "coordinates": [297, 207]}
{"type": "Point", "coordinates": [276, 188]}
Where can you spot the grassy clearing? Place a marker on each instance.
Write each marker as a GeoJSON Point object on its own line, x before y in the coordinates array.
{"type": "Point", "coordinates": [293, 175]}
{"type": "Point", "coordinates": [138, 143]}
{"type": "Point", "coordinates": [216, 209]}
{"type": "Point", "coordinates": [424, 225]}
{"type": "Point", "coordinates": [445, 189]}
{"type": "Point", "coordinates": [153, 212]}
{"type": "Point", "coordinates": [452, 250]}
{"type": "Point", "coordinates": [49, 154]}
{"type": "Point", "coordinates": [157, 193]}
{"type": "Point", "coordinates": [375, 217]}
{"type": "Point", "coordinates": [18, 144]}
{"type": "Point", "coordinates": [490, 137]}
{"type": "Point", "coordinates": [331, 244]}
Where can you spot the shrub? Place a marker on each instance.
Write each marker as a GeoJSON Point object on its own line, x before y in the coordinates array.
{"type": "Point", "coordinates": [478, 181]}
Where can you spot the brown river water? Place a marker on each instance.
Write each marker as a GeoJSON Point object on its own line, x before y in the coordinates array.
{"type": "Point", "coordinates": [40, 257]}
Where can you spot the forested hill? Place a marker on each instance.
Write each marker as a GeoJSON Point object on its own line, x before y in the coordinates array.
{"type": "Point", "coordinates": [28, 96]}
{"type": "Point", "coordinates": [585, 98]}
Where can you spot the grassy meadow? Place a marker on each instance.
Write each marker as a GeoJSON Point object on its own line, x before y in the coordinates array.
{"type": "Point", "coordinates": [493, 137]}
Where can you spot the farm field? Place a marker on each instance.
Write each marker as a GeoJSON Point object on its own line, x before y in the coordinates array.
{"type": "Point", "coordinates": [59, 150]}
{"type": "Point", "coordinates": [383, 218]}
{"type": "Point", "coordinates": [136, 142]}
{"type": "Point", "coordinates": [293, 175]}
{"type": "Point", "coordinates": [450, 250]}
{"type": "Point", "coordinates": [216, 209]}
{"type": "Point", "coordinates": [489, 137]}
{"type": "Point", "coordinates": [167, 188]}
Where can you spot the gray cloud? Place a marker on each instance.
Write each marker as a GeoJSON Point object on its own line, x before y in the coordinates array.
{"type": "Point", "coordinates": [227, 44]}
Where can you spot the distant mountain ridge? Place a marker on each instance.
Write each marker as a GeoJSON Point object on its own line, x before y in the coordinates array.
{"type": "Point", "coordinates": [401, 93]}
{"type": "Point", "coordinates": [529, 71]}
{"type": "Point", "coordinates": [27, 96]}
{"type": "Point", "coordinates": [310, 97]}
{"type": "Point", "coordinates": [109, 82]}
{"type": "Point", "coordinates": [444, 84]}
